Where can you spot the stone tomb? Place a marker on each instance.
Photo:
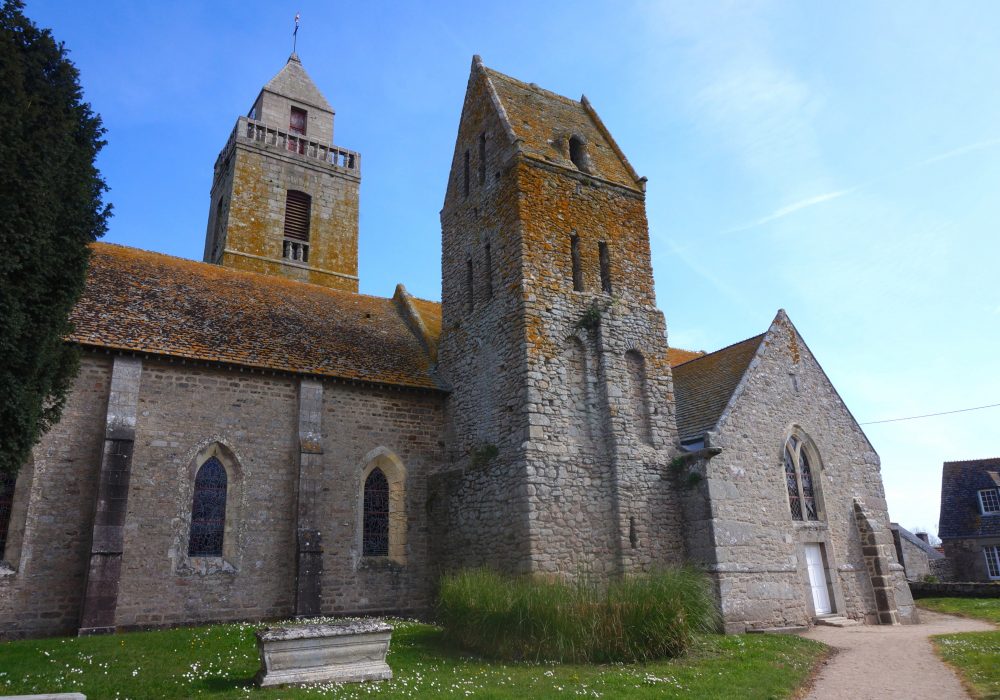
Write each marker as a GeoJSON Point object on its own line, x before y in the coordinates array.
{"type": "Point", "coordinates": [343, 652]}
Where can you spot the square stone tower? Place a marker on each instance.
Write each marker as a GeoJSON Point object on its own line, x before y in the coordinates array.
{"type": "Point", "coordinates": [561, 412]}
{"type": "Point", "coordinates": [284, 198]}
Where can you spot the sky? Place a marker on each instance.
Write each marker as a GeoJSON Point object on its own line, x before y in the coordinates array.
{"type": "Point", "coordinates": [838, 160]}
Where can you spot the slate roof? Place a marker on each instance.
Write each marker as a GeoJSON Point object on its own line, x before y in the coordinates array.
{"type": "Point", "coordinates": [292, 81]}
{"type": "Point", "coordinates": [704, 385]}
{"type": "Point", "coordinates": [960, 484]}
{"type": "Point", "coordinates": [929, 550]}
{"type": "Point", "coordinates": [543, 122]}
{"type": "Point", "coordinates": [154, 303]}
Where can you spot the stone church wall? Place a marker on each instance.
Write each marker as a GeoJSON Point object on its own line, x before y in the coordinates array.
{"type": "Point", "coordinates": [43, 593]}
{"type": "Point", "coordinates": [182, 411]}
{"type": "Point", "coordinates": [758, 558]}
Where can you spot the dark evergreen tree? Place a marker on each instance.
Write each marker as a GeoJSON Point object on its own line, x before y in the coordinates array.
{"type": "Point", "coordinates": [51, 207]}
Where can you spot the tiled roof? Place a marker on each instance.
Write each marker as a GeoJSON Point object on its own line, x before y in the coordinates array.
{"type": "Point", "coordinates": [543, 122]}
{"type": "Point", "coordinates": [676, 356]}
{"type": "Point", "coordinates": [292, 81]}
{"type": "Point", "coordinates": [704, 385]}
{"type": "Point", "coordinates": [960, 484]}
{"type": "Point", "coordinates": [926, 547]}
{"type": "Point", "coordinates": [154, 303]}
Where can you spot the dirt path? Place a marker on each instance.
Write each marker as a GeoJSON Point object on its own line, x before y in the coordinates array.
{"type": "Point", "coordinates": [889, 662]}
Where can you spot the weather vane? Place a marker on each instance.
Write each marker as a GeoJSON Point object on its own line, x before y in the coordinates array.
{"type": "Point", "coordinates": [295, 33]}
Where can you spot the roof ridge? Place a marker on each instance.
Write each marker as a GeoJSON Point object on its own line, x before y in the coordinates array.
{"type": "Point", "coordinates": [535, 87]}
{"type": "Point", "coordinates": [975, 459]}
{"type": "Point", "coordinates": [245, 273]}
{"type": "Point", "coordinates": [706, 355]}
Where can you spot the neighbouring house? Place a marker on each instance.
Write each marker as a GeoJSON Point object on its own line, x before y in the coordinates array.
{"type": "Point", "coordinates": [918, 557]}
{"type": "Point", "coordinates": [251, 438]}
{"type": "Point", "coordinates": [969, 526]}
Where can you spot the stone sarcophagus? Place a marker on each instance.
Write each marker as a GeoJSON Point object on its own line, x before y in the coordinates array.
{"type": "Point", "coordinates": [344, 652]}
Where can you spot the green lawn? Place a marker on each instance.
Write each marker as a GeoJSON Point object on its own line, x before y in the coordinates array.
{"type": "Point", "coordinates": [974, 654]}
{"type": "Point", "coordinates": [220, 661]}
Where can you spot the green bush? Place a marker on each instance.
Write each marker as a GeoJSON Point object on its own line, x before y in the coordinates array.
{"type": "Point", "coordinates": [637, 618]}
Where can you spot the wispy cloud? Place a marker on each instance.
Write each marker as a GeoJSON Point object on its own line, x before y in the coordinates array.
{"type": "Point", "coordinates": [961, 151]}
{"type": "Point", "coordinates": [791, 209]}
{"type": "Point", "coordinates": [808, 202]}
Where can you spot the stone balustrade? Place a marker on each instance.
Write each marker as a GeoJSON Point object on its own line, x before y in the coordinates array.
{"type": "Point", "coordinates": [247, 129]}
{"type": "Point", "coordinates": [296, 251]}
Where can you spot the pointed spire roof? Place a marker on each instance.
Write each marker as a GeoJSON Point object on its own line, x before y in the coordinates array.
{"type": "Point", "coordinates": [293, 82]}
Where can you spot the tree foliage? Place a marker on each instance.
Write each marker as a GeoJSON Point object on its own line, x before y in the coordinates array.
{"type": "Point", "coordinates": [51, 207]}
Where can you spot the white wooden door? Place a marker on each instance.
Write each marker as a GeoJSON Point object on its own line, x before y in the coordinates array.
{"type": "Point", "coordinates": [817, 578]}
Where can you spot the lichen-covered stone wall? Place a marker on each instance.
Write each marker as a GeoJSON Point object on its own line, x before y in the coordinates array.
{"type": "Point", "coordinates": [561, 412]}
{"type": "Point", "coordinates": [252, 185]}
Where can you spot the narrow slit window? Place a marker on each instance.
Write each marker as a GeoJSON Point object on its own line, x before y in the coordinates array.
{"type": "Point", "coordinates": [489, 272]}
{"type": "Point", "coordinates": [208, 510]}
{"type": "Point", "coordinates": [482, 158]}
{"type": "Point", "coordinates": [375, 536]}
{"type": "Point", "coordinates": [574, 254]}
{"type": "Point", "coordinates": [470, 289]}
{"type": "Point", "coordinates": [578, 154]}
{"type": "Point", "coordinates": [605, 256]}
{"type": "Point", "coordinates": [465, 174]}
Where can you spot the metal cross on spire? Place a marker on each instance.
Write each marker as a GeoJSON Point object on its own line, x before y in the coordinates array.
{"type": "Point", "coordinates": [295, 33]}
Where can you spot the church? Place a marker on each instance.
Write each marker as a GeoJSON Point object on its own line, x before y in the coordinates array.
{"type": "Point", "coordinates": [249, 438]}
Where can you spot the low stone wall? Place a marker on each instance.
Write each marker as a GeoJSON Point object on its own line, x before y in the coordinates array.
{"type": "Point", "coordinates": [920, 589]}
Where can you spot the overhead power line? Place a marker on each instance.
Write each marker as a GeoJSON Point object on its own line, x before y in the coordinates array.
{"type": "Point", "coordinates": [931, 415]}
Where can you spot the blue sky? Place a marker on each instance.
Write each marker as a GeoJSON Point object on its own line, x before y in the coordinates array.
{"type": "Point", "coordinates": [838, 160]}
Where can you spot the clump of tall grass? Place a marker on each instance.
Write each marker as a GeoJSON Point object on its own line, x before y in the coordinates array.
{"type": "Point", "coordinates": [636, 618]}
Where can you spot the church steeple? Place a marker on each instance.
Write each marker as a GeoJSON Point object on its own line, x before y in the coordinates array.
{"type": "Point", "coordinates": [284, 198]}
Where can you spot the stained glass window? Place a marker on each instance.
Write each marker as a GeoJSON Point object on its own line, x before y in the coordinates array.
{"type": "Point", "coordinates": [208, 512]}
{"type": "Point", "coordinates": [792, 483]}
{"type": "Point", "coordinates": [808, 497]}
{"type": "Point", "coordinates": [6, 502]}
{"type": "Point", "coordinates": [376, 515]}
{"type": "Point", "coordinates": [799, 481]}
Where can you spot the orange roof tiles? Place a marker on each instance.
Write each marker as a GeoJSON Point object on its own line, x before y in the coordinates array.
{"type": "Point", "coordinates": [704, 385]}
{"type": "Point", "coordinates": [149, 302]}
{"type": "Point", "coordinates": [676, 356]}
{"type": "Point", "coordinates": [543, 122]}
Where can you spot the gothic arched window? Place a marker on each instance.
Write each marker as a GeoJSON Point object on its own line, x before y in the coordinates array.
{"type": "Point", "coordinates": [208, 510]}
{"type": "Point", "coordinates": [375, 539]}
{"type": "Point", "coordinates": [799, 480]}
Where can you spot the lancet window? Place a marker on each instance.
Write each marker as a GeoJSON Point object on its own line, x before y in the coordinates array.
{"type": "Point", "coordinates": [799, 480]}
{"type": "Point", "coordinates": [208, 510]}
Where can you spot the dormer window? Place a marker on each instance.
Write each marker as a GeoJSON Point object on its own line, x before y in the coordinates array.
{"type": "Point", "coordinates": [578, 153]}
{"type": "Point", "coordinates": [989, 501]}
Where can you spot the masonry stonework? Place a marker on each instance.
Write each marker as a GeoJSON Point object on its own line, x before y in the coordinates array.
{"type": "Point", "coordinates": [746, 536]}
{"type": "Point", "coordinates": [531, 422]}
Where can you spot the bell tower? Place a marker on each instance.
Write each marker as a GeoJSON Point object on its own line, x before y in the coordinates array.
{"type": "Point", "coordinates": [561, 410]}
{"type": "Point", "coordinates": [284, 199]}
